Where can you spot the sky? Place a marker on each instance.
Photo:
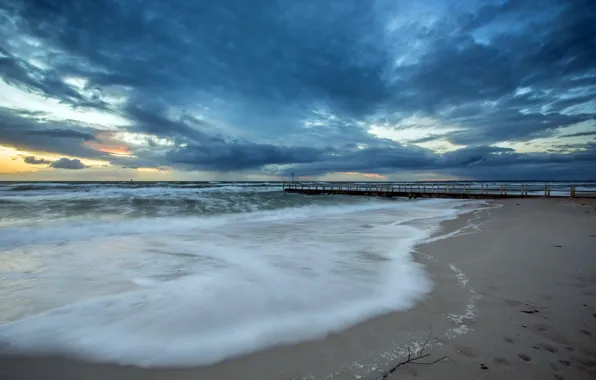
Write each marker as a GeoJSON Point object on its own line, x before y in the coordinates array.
{"type": "Point", "coordinates": [326, 89]}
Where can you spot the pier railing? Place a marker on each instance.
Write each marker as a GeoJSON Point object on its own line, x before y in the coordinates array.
{"type": "Point", "coordinates": [445, 190]}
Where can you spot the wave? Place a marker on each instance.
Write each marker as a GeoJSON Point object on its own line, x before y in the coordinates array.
{"type": "Point", "coordinates": [112, 192]}
{"type": "Point", "coordinates": [67, 230]}
{"type": "Point", "coordinates": [206, 289]}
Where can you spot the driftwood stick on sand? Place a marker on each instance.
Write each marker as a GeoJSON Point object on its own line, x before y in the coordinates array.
{"type": "Point", "coordinates": [416, 358]}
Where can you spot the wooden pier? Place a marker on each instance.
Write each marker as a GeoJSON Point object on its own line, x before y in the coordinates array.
{"type": "Point", "coordinates": [441, 190]}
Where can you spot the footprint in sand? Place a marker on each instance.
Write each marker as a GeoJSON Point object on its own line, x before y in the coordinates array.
{"type": "Point", "coordinates": [554, 367]}
{"type": "Point", "coordinates": [508, 339]}
{"type": "Point", "coordinates": [588, 363]}
{"type": "Point", "coordinates": [558, 377]}
{"type": "Point", "coordinates": [565, 363]}
{"type": "Point", "coordinates": [524, 357]}
{"type": "Point", "coordinates": [513, 303]}
{"type": "Point", "coordinates": [548, 347]}
{"type": "Point", "coordinates": [500, 360]}
{"type": "Point", "coordinates": [559, 339]}
{"type": "Point", "coordinates": [413, 372]}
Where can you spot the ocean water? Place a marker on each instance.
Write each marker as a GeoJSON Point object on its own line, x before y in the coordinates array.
{"type": "Point", "coordinates": [178, 274]}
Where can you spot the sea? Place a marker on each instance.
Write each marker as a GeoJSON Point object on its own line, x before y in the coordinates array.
{"type": "Point", "coordinates": [192, 273]}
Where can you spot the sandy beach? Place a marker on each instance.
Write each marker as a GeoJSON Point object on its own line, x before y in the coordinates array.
{"type": "Point", "coordinates": [514, 298]}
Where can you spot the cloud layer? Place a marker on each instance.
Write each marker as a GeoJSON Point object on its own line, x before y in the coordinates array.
{"type": "Point", "coordinates": [484, 89]}
{"type": "Point", "coordinates": [61, 163]}
{"type": "Point", "coordinates": [66, 163]}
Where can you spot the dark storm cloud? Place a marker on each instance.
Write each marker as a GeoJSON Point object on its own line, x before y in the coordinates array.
{"type": "Point", "coordinates": [229, 156]}
{"type": "Point", "coordinates": [32, 160]}
{"type": "Point", "coordinates": [223, 47]}
{"type": "Point", "coordinates": [46, 136]}
{"type": "Point", "coordinates": [151, 119]}
{"type": "Point", "coordinates": [20, 73]}
{"type": "Point", "coordinates": [481, 162]}
{"type": "Point", "coordinates": [62, 133]}
{"type": "Point", "coordinates": [473, 83]}
{"type": "Point", "coordinates": [66, 163]}
{"type": "Point", "coordinates": [579, 134]}
{"type": "Point", "coordinates": [248, 85]}
{"type": "Point", "coordinates": [575, 165]}
{"type": "Point", "coordinates": [62, 163]}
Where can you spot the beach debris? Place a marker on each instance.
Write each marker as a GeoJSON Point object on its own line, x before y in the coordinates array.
{"type": "Point", "coordinates": [415, 359]}
{"type": "Point", "coordinates": [594, 315]}
{"type": "Point", "coordinates": [524, 325]}
{"type": "Point", "coordinates": [530, 311]}
{"type": "Point", "coordinates": [558, 246]}
{"type": "Point", "coordinates": [565, 363]}
{"type": "Point", "coordinates": [536, 348]}
{"type": "Point", "coordinates": [482, 366]}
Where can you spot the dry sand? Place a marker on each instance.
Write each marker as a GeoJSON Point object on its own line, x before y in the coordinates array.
{"type": "Point", "coordinates": [534, 256]}
{"type": "Point", "coordinates": [515, 291]}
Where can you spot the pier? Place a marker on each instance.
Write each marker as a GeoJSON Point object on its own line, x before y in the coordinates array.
{"type": "Point", "coordinates": [443, 190]}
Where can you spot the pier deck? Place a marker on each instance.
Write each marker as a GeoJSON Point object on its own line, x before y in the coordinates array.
{"type": "Point", "coordinates": [441, 190]}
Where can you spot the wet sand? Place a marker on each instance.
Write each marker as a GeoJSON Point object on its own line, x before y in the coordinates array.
{"type": "Point", "coordinates": [515, 291]}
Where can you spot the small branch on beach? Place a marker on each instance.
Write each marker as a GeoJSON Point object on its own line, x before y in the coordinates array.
{"type": "Point", "coordinates": [416, 358]}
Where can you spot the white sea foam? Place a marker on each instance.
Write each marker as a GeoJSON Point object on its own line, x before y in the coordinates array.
{"type": "Point", "coordinates": [192, 291]}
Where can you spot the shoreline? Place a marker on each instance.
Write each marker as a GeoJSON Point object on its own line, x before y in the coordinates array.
{"type": "Point", "coordinates": [462, 298]}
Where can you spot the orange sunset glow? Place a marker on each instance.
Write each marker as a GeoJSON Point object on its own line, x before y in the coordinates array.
{"type": "Point", "coordinates": [368, 175]}
{"type": "Point", "coordinates": [110, 148]}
